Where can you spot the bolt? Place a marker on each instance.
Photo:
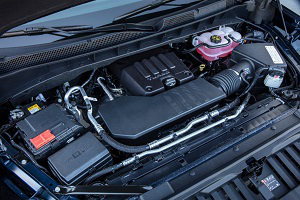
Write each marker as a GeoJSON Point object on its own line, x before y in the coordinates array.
{"type": "Point", "coordinates": [276, 38]}
{"type": "Point", "coordinates": [273, 128]}
{"type": "Point", "coordinates": [24, 162]}
{"type": "Point", "coordinates": [192, 173]}
{"type": "Point", "coordinates": [57, 189]}
{"type": "Point", "coordinates": [236, 149]}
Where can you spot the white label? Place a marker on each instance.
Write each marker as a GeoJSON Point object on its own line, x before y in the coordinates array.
{"type": "Point", "coordinates": [274, 55]}
{"type": "Point", "coordinates": [271, 182]}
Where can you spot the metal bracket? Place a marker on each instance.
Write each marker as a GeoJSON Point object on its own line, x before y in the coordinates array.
{"type": "Point", "coordinates": [2, 146]}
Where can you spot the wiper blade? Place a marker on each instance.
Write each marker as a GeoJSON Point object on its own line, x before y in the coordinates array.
{"type": "Point", "coordinates": [122, 27]}
{"type": "Point", "coordinates": [152, 5]}
{"type": "Point", "coordinates": [60, 30]}
{"type": "Point", "coordinates": [67, 31]}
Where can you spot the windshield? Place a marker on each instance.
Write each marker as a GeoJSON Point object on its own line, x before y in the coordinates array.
{"type": "Point", "coordinates": [95, 13]}
{"type": "Point", "coordinates": [94, 6]}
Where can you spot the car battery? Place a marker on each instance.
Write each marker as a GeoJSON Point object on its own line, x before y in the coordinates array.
{"type": "Point", "coordinates": [73, 163]}
{"type": "Point", "coordinates": [48, 130]}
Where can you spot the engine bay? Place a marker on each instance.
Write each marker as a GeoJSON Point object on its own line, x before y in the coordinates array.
{"type": "Point", "coordinates": [113, 117]}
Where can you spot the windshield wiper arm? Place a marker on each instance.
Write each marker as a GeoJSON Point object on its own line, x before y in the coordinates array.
{"type": "Point", "coordinates": [67, 31]}
{"type": "Point", "coordinates": [122, 27]}
{"type": "Point", "coordinates": [64, 30]}
{"type": "Point", "coordinates": [152, 5]}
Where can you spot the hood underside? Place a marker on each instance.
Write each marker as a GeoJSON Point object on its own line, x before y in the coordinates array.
{"type": "Point", "coordinates": [17, 12]}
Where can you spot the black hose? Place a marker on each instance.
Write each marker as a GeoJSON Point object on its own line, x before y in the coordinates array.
{"type": "Point", "coordinates": [120, 165]}
{"type": "Point", "coordinates": [102, 172]}
{"type": "Point", "coordinates": [249, 35]}
{"type": "Point", "coordinates": [293, 76]}
{"type": "Point", "coordinates": [137, 149]}
{"type": "Point", "coordinates": [229, 106]}
{"type": "Point", "coordinates": [29, 156]}
{"type": "Point", "coordinates": [122, 147]}
{"type": "Point", "coordinates": [196, 58]}
{"type": "Point", "coordinates": [256, 77]}
{"type": "Point", "coordinates": [187, 51]}
{"type": "Point", "coordinates": [258, 27]}
{"type": "Point", "coordinates": [254, 40]}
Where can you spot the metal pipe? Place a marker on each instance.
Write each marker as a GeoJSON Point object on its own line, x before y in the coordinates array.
{"type": "Point", "coordinates": [163, 140]}
{"type": "Point", "coordinates": [151, 145]}
{"type": "Point", "coordinates": [105, 89]}
{"type": "Point", "coordinates": [90, 78]}
{"type": "Point", "coordinates": [99, 128]}
{"type": "Point", "coordinates": [187, 137]}
{"type": "Point", "coordinates": [157, 143]}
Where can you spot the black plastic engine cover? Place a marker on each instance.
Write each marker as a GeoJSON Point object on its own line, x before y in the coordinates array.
{"type": "Point", "coordinates": [152, 76]}
{"type": "Point", "coordinates": [75, 161]}
{"type": "Point", "coordinates": [132, 117]}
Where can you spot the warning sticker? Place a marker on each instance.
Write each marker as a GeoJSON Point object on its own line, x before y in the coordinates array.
{"type": "Point", "coordinates": [274, 55]}
{"type": "Point", "coordinates": [34, 108]}
{"type": "Point", "coordinates": [270, 182]}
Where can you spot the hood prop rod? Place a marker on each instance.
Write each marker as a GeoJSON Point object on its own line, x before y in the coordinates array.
{"type": "Point", "coordinates": [283, 21]}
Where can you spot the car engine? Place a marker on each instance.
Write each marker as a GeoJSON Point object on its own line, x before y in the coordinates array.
{"type": "Point", "coordinates": [137, 107]}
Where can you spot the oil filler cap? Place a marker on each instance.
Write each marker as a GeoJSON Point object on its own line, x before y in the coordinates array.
{"type": "Point", "coordinates": [170, 82]}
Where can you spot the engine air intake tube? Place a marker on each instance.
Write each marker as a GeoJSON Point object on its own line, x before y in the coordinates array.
{"type": "Point", "coordinates": [230, 80]}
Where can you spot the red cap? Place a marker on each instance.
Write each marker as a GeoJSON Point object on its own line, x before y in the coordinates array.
{"type": "Point", "coordinates": [42, 139]}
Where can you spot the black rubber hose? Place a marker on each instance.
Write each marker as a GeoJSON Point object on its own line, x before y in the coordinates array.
{"type": "Point", "coordinates": [229, 106]}
{"type": "Point", "coordinates": [227, 80]}
{"type": "Point", "coordinates": [249, 35]}
{"type": "Point", "coordinates": [293, 78]}
{"type": "Point", "coordinates": [230, 80]}
{"type": "Point", "coordinates": [29, 156]}
{"type": "Point", "coordinates": [256, 77]}
{"type": "Point", "coordinates": [115, 167]}
{"type": "Point", "coordinates": [122, 147]}
{"type": "Point", "coordinates": [102, 172]}
{"type": "Point", "coordinates": [254, 40]}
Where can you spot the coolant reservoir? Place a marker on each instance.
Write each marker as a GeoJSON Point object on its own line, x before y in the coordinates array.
{"type": "Point", "coordinates": [217, 44]}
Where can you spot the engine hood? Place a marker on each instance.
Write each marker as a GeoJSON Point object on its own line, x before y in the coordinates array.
{"type": "Point", "coordinates": [17, 12]}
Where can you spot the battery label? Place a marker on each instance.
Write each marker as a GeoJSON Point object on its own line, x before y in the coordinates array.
{"type": "Point", "coordinates": [274, 55]}
{"type": "Point", "coordinates": [34, 108]}
{"type": "Point", "coordinates": [271, 182]}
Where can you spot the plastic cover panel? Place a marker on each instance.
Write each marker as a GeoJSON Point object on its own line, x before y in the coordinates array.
{"type": "Point", "coordinates": [62, 125]}
{"type": "Point", "coordinates": [72, 163]}
{"type": "Point", "coordinates": [149, 76]}
{"type": "Point", "coordinates": [65, 52]}
{"type": "Point", "coordinates": [131, 117]}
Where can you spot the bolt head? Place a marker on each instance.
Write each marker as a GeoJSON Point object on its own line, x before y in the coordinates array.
{"type": "Point", "coordinates": [24, 162]}
{"type": "Point", "coordinates": [236, 149]}
{"type": "Point", "coordinates": [57, 189]}
{"type": "Point", "coordinates": [192, 173]}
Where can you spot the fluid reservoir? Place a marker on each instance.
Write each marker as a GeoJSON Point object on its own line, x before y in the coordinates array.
{"type": "Point", "coordinates": [218, 43]}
